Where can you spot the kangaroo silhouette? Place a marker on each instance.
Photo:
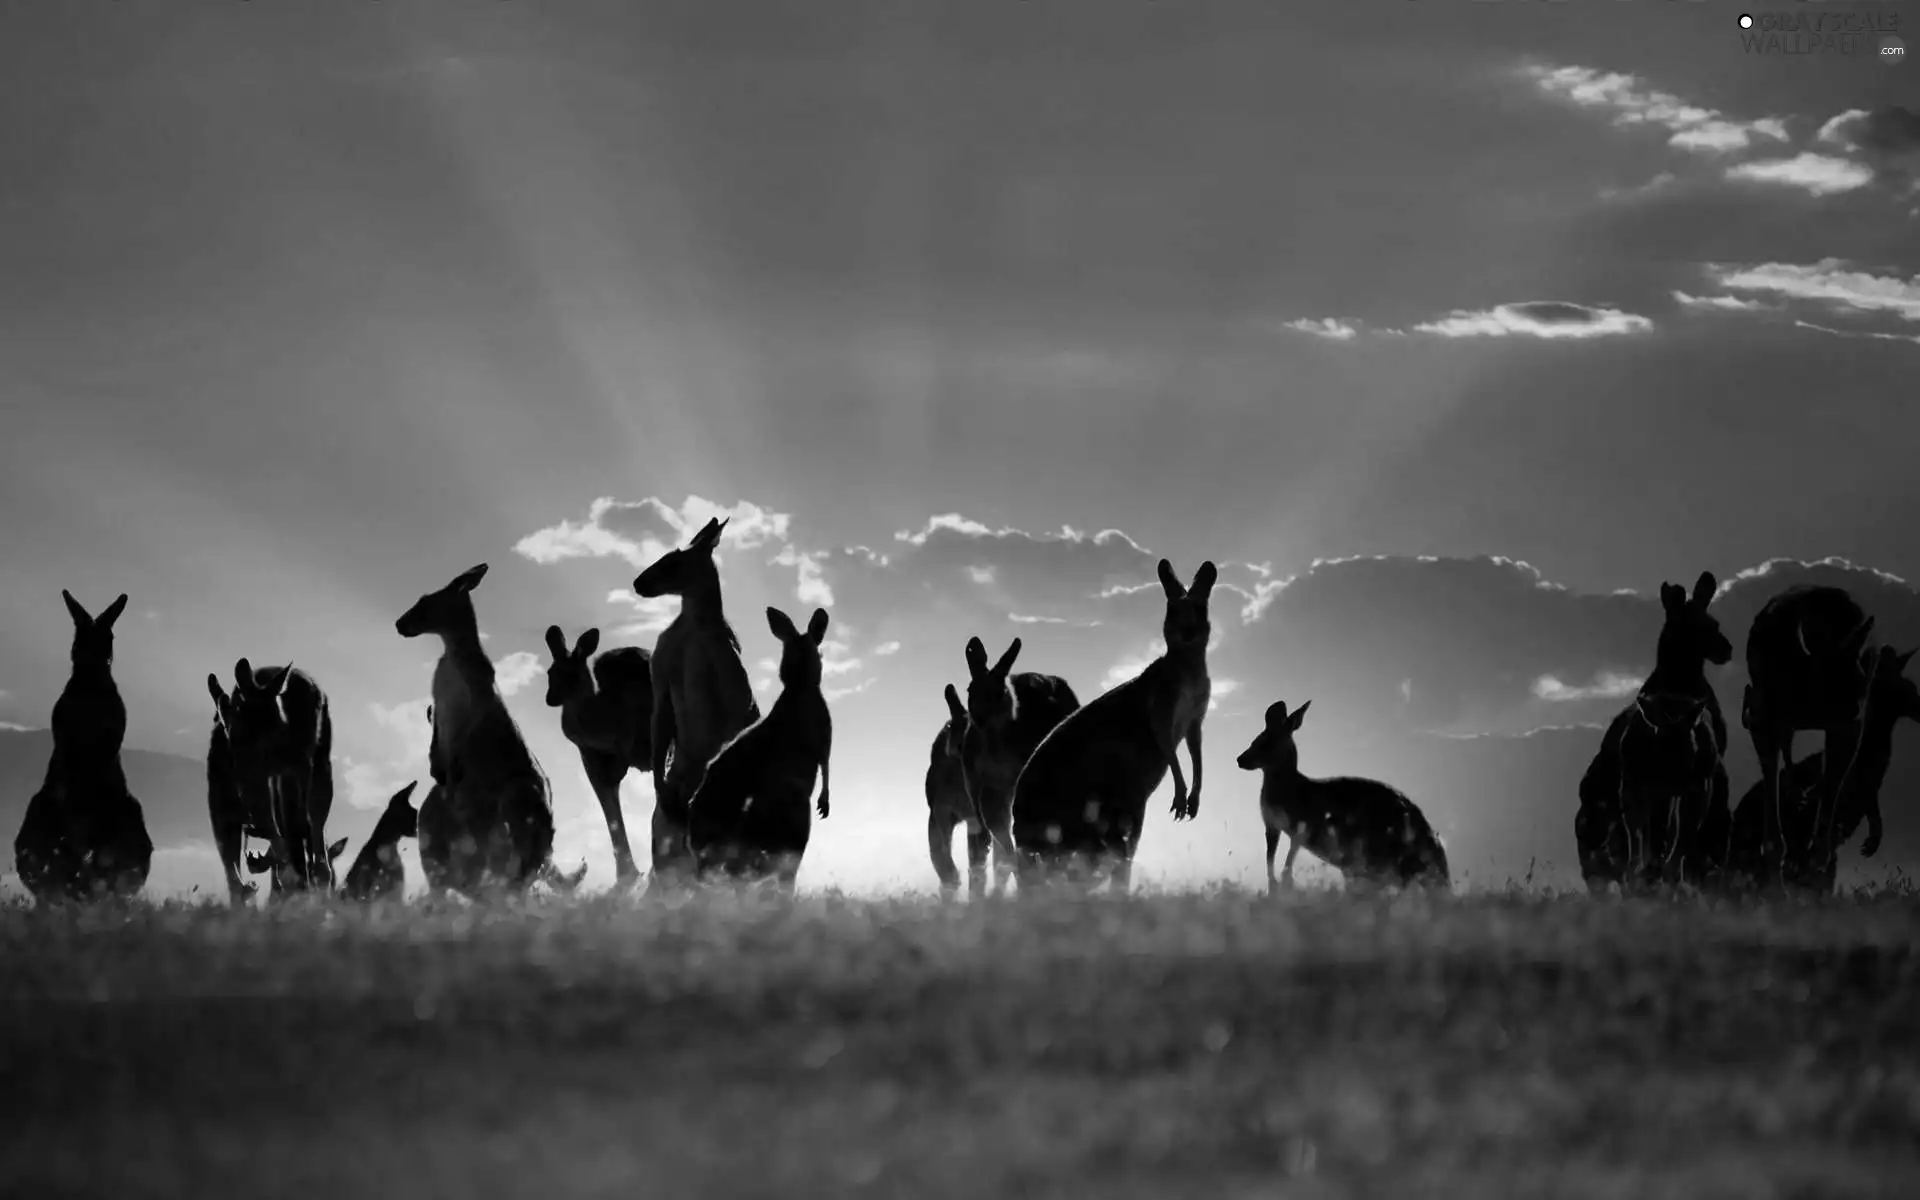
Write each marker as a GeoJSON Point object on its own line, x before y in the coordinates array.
{"type": "Point", "coordinates": [1080, 802]}
{"type": "Point", "coordinates": [1891, 698]}
{"type": "Point", "coordinates": [280, 733]}
{"type": "Point", "coordinates": [948, 805]}
{"type": "Point", "coordinates": [1652, 791]}
{"type": "Point", "coordinates": [701, 695]}
{"type": "Point", "coordinates": [487, 822]}
{"type": "Point", "coordinates": [1368, 830]}
{"type": "Point", "coordinates": [1007, 717]}
{"type": "Point", "coordinates": [377, 874]}
{"type": "Point", "coordinates": [749, 816]}
{"type": "Point", "coordinates": [83, 835]}
{"type": "Point", "coordinates": [606, 711]}
{"type": "Point", "coordinates": [1807, 666]}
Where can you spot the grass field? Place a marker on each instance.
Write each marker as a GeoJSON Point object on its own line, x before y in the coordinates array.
{"type": "Point", "coordinates": [1189, 1045]}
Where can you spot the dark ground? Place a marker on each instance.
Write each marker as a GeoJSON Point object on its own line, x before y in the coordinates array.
{"type": "Point", "coordinates": [1211, 1045]}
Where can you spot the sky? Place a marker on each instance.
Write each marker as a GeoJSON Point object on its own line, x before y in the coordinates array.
{"type": "Point", "coordinates": [1467, 316]}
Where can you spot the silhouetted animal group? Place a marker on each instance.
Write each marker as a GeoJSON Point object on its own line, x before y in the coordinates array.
{"type": "Point", "coordinates": [1050, 788]}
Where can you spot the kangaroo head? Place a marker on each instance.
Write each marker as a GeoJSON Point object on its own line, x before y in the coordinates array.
{"type": "Point", "coordinates": [990, 702]}
{"type": "Point", "coordinates": [1691, 634]}
{"type": "Point", "coordinates": [447, 612]}
{"type": "Point", "coordinates": [93, 636]}
{"type": "Point", "coordinates": [799, 652]}
{"type": "Point", "coordinates": [956, 720]}
{"type": "Point", "coordinates": [687, 569]}
{"type": "Point", "coordinates": [1890, 691]}
{"type": "Point", "coordinates": [569, 677]}
{"type": "Point", "coordinates": [1186, 625]}
{"type": "Point", "coordinates": [1274, 750]}
{"type": "Point", "coordinates": [404, 816]}
{"type": "Point", "coordinates": [254, 712]}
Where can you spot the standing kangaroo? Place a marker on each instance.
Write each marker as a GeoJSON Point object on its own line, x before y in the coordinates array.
{"type": "Point", "coordinates": [1891, 698]}
{"type": "Point", "coordinates": [1808, 663]}
{"type": "Point", "coordinates": [83, 834]}
{"type": "Point", "coordinates": [281, 736]}
{"type": "Point", "coordinates": [489, 821]}
{"type": "Point", "coordinates": [1370, 831]}
{"type": "Point", "coordinates": [948, 805]}
{"type": "Point", "coordinates": [233, 811]}
{"type": "Point", "coordinates": [1654, 790]}
{"type": "Point", "coordinates": [749, 815]}
{"type": "Point", "coordinates": [606, 712]}
{"type": "Point", "coordinates": [1082, 797]}
{"type": "Point", "coordinates": [1007, 717]}
{"type": "Point", "coordinates": [701, 695]}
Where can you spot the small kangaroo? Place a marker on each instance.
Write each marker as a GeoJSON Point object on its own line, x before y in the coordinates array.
{"type": "Point", "coordinates": [749, 816]}
{"type": "Point", "coordinates": [1368, 830]}
{"type": "Point", "coordinates": [948, 805]}
{"type": "Point", "coordinates": [701, 694]}
{"type": "Point", "coordinates": [377, 872]}
{"type": "Point", "coordinates": [1082, 797]}
{"type": "Point", "coordinates": [83, 834]}
{"type": "Point", "coordinates": [488, 819]}
{"type": "Point", "coordinates": [606, 712]}
{"type": "Point", "coordinates": [1007, 717]}
{"type": "Point", "coordinates": [280, 733]}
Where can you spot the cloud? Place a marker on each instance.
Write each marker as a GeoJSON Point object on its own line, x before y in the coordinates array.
{"type": "Point", "coordinates": [517, 670]}
{"type": "Point", "coordinates": [1659, 183]}
{"type": "Point", "coordinates": [1537, 318]}
{"type": "Point", "coordinates": [1817, 174]}
{"type": "Point", "coordinates": [1829, 282]}
{"type": "Point", "coordinates": [640, 531]}
{"type": "Point", "coordinates": [1856, 333]}
{"type": "Point", "coordinates": [1890, 133]}
{"type": "Point", "coordinates": [1633, 103]}
{"type": "Point", "coordinates": [1607, 685]}
{"type": "Point", "coordinates": [1726, 303]}
{"type": "Point", "coordinates": [1331, 328]}
{"type": "Point", "coordinates": [886, 648]}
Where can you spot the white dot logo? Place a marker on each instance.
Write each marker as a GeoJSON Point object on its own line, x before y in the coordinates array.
{"type": "Point", "coordinates": [1746, 22]}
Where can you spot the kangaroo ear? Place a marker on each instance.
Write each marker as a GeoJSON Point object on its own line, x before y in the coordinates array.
{"type": "Point", "coordinates": [709, 534]}
{"type": "Point", "coordinates": [817, 626]}
{"type": "Point", "coordinates": [1299, 714]}
{"type": "Point", "coordinates": [781, 624]}
{"type": "Point", "coordinates": [74, 610]}
{"type": "Point", "coordinates": [1672, 596]}
{"type": "Point", "coordinates": [1276, 714]}
{"type": "Point", "coordinates": [1703, 589]}
{"type": "Point", "coordinates": [401, 797]}
{"type": "Point", "coordinates": [588, 643]}
{"type": "Point", "coordinates": [334, 851]}
{"type": "Point", "coordinates": [1006, 660]}
{"type": "Point", "coordinates": [106, 619]}
{"type": "Point", "coordinates": [1169, 582]}
{"type": "Point", "coordinates": [955, 709]}
{"type": "Point", "coordinates": [976, 658]}
{"type": "Point", "coordinates": [216, 691]}
{"type": "Point", "coordinates": [469, 579]}
{"type": "Point", "coordinates": [1203, 580]}
{"type": "Point", "coordinates": [556, 643]}
{"type": "Point", "coordinates": [243, 674]}
{"type": "Point", "coordinates": [286, 677]}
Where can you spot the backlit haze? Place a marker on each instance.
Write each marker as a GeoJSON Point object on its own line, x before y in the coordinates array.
{"type": "Point", "coordinates": [1440, 328]}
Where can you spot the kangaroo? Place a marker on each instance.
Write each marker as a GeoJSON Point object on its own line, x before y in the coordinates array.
{"type": "Point", "coordinates": [281, 737]}
{"type": "Point", "coordinates": [488, 820]}
{"type": "Point", "coordinates": [1370, 831]}
{"type": "Point", "coordinates": [1808, 665]}
{"type": "Point", "coordinates": [1660, 760]}
{"type": "Point", "coordinates": [377, 872]}
{"type": "Point", "coordinates": [83, 834]}
{"type": "Point", "coordinates": [260, 863]}
{"type": "Point", "coordinates": [1891, 698]}
{"type": "Point", "coordinates": [1007, 716]}
{"type": "Point", "coordinates": [606, 712]}
{"type": "Point", "coordinates": [948, 805]}
{"type": "Point", "coordinates": [1082, 797]}
{"type": "Point", "coordinates": [749, 815]}
{"type": "Point", "coordinates": [232, 812]}
{"type": "Point", "coordinates": [701, 695]}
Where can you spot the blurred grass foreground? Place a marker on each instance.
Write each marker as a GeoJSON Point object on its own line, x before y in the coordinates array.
{"type": "Point", "coordinates": [1180, 1045]}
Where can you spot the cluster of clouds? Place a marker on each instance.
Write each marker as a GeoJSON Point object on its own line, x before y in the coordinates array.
{"type": "Point", "coordinates": [1856, 151]}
